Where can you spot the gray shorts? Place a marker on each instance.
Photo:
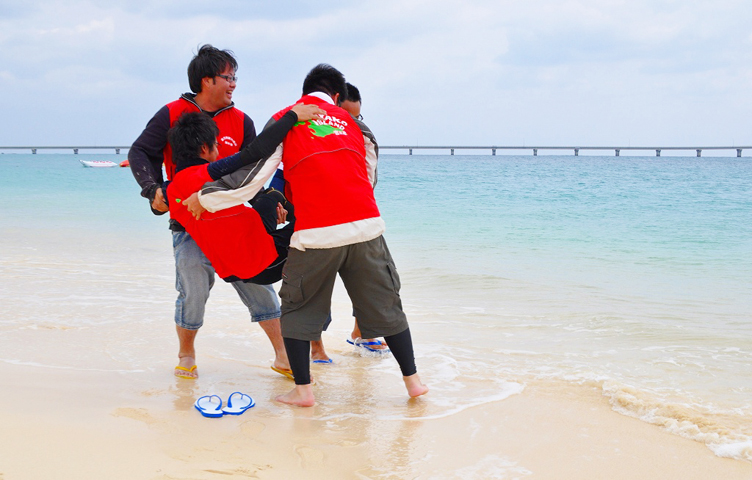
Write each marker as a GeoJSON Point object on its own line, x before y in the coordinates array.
{"type": "Point", "coordinates": [371, 280]}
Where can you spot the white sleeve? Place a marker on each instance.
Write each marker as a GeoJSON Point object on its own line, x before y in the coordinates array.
{"type": "Point", "coordinates": [247, 182]}
{"type": "Point", "coordinates": [372, 160]}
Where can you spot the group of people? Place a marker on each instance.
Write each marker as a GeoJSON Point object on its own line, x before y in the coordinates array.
{"type": "Point", "coordinates": [318, 219]}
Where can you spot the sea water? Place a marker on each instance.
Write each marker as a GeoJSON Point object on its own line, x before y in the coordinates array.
{"type": "Point", "coordinates": [630, 274]}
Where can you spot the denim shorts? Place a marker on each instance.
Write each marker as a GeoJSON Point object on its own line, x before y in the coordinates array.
{"type": "Point", "coordinates": [194, 278]}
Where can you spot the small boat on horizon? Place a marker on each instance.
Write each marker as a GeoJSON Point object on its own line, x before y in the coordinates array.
{"type": "Point", "coordinates": [97, 163]}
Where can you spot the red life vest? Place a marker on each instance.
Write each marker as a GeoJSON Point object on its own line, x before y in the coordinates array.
{"type": "Point", "coordinates": [234, 240]}
{"type": "Point", "coordinates": [229, 120]}
{"type": "Point", "coordinates": [325, 169]}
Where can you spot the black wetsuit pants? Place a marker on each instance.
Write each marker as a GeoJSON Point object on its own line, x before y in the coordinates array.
{"type": "Point", "coordinates": [298, 352]}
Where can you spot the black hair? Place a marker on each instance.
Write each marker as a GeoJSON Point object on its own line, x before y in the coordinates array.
{"type": "Point", "coordinates": [353, 94]}
{"type": "Point", "coordinates": [191, 131]}
{"type": "Point", "coordinates": [209, 62]}
{"type": "Point", "coordinates": [327, 79]}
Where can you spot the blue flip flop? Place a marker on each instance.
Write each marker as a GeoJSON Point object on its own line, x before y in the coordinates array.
{"type": "Point", "coordinates": [358, 342]}
{"type": "Point", "coordinates": [241, 403]}
{"type": "Point", "coordinates": [323, 361]}
{"type": "Point", "coordinates": [208, 406]}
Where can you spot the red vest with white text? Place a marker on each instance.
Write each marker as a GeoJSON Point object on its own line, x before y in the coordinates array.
{"type": "Point", "coordinates": [325, 169]}
{"type": "Point", "coordinates": [234, 240]}
{"type": "Point", "coordinates": [229, 120]}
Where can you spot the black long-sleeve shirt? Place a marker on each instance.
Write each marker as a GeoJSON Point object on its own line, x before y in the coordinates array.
{"type": "Point", "coordinates": [146, 155]}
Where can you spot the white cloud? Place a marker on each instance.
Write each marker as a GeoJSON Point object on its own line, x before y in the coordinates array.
{"type": "Point", "coordinates": [86, 32]}
{"type": "Point", "coordinates": [475, 72]}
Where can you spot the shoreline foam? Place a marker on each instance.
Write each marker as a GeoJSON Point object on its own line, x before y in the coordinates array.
{"type": "Point", "coordinates": [93, 425]}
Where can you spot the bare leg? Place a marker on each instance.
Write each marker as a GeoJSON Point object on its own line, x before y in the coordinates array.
{"type": "Point", "coordinates": [357, 334]}
{"type": "Point", "coordinates": [414, 386]}
{"type": "Point", "coordinates": [272, 330]}
{"type": "Point", "coordinates": [317, 351]}
{"type": "Point", "coordinates": [187, 352]}
{"type": "Point", "coordinates": [356, 330]}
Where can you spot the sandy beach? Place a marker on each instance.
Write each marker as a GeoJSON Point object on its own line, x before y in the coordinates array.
{"type": "Point", "coordinates": [65, 420]}
{"type": "Point", "coordinates": [73, 425]}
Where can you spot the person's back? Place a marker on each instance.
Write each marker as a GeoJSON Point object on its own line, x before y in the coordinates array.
{"type": "Point", "coordinates": [234, 240]}
{"type": "Point", "coordinates": [326, 174]}
{"type": "Point", "coordinates": [339, 232]}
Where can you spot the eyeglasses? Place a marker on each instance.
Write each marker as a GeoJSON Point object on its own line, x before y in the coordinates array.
{"type": "Point", "coordinates": [359, 117]}
{"type": "Point", "coordinates": [229, 78]}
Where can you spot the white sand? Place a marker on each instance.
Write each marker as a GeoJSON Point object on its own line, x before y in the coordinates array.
{"type": "Point", "coordinates": [74, 424]}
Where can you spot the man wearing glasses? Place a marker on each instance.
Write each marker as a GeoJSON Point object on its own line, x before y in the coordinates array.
{"type": "Point", "coordinates": [211, 76]}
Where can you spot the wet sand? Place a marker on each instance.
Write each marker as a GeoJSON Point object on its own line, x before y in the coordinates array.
{"type": "Point", "coordinates": [87, 348]}
{"type": "Point", "coordinates": [131, 421]}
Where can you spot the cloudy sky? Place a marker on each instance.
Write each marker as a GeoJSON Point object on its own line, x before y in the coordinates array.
{"type": "Point", "coordinates": [431, 72]}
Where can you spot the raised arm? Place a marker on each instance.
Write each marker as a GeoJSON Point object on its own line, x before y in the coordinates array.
{"type": "Point", "coordinates": [265, 144]}
{"type": "Point", "coordinates": [242, 185]}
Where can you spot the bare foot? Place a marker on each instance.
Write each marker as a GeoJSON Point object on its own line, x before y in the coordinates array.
{"type": "Point", "coordinates": [300, 396]}
{"type": "Point", "coordinates": [186, 368]}
{"type": "Point", "coordinates": [414, 387]}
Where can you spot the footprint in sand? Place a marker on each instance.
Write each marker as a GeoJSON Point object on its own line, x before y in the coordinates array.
{"type": "Point", "coordinates": [252, 428]}
{"type": "Point", "coordinates": [140, 414]}
{"type": "Point", "coordinates": [143, 415]}
{"type": "Point", "coordinates": [153, 392]}
{"type": "Point", "coordinates": [310, 457]}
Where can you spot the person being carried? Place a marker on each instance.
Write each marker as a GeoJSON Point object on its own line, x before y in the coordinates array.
{"type": "Point", "coordinates": [241, 243]}
{"type": "Point", "coordinates": [330, 168]}
{"type": "Point", "coordinates": [211, 76]}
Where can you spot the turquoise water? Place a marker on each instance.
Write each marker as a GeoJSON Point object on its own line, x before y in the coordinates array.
{"type": "Point", "coordinates": [633, 274]}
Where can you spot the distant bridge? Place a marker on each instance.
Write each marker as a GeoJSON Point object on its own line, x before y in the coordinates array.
{"type": "Point", "coordinates": [75, 149]}
{"type": "Point", "coordinates": [576, 150]}
{"type": "Point", "coordinates": [493, 149]}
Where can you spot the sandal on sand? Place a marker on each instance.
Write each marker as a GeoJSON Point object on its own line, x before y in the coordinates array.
{"type": "Point", "coordinates": [242, 403]}
{"type": "Point", "coordinates": [288, 373]}
{"type": "Point", "coordinates": [359, 342]}
{"type": "Point", "coordinates": [209, 406]}
{"type": "Point", "coordinates": [284, 371]}
{"type": "Point", "coordinates": [179, 369]}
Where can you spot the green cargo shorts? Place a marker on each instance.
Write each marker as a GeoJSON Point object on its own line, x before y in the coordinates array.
{"type": "Point", "coordinates": [369, 275]}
